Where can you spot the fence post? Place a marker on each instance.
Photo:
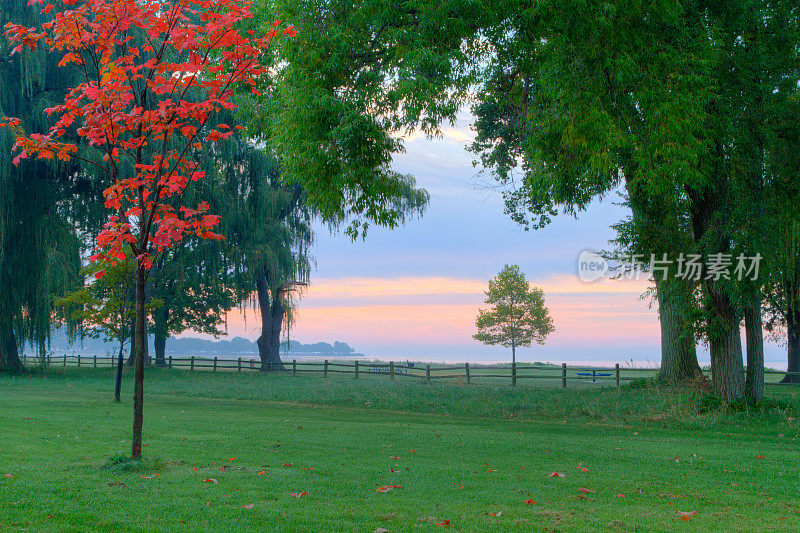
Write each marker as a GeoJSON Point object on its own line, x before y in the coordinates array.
{"type": "Point", "coordinates": [65, 360]}
{"type": "Point", "coordinates": [391, 370]}
{"type": "Point", "coordinates": [215, 363]}
{"type": "Point", "coordinates": [169, 362]}
{"type": "Point", "coordinates": [616, 373]}
{"type": "Point", "coordinates": [239, 365]}
{"type": "Point", "coordinates": [325, 370]}
{"type": "Point", "coordinates": [356, 361]}
{"type": "Point", "coordinates": [294, 367]}
{"type": "Point", "coordinates": [79, 360]}
{"type": "Point", "coordinates": [513, 374]}
{"type": "Point", "coordinates": [94, 363]}
{"type": "Point", "coordinates": [428, 373]}
{"type": "Point", "coordinates": [563, 375]}
{"type": "Point", "coordinates": [191, 364]}
{"type": "Point", "coordinates": [466, 369]}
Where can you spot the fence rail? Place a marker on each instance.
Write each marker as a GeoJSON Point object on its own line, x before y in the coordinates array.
{"type": "Point", "coordinates": [466, 373]}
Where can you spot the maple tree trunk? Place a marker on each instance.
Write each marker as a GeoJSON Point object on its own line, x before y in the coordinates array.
{"type": "Point", "coordinates": [160, 318]}
{"type": "Point", "coordinates": [9, 351]}
{"type": "Point", "coordinates": [138, 380]}
{"type": "Point", "coordinates": [678, 347]}
{"type": "Point", "coordinates": [754, 335]}
{"type": "Point", "coordinates": [271, 320]}
{"type": "Point", "coordinates": [793, 346]}
{"type": "Point", "coordinates": [727, 368]}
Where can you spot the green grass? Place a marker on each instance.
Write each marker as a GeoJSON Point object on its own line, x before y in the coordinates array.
{"type": "Point", "coordinates": [478, 451]}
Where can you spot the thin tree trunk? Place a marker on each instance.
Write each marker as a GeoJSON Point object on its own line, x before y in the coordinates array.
{"type": "Point", "coordinates": [793, 347]}
{"type": "Point", "coordinates": [727, 366]}
{"type": "Point", "coordinates": [513, 352]}
{"type": "Point", "coordinates": [160, 320]}
{"type": "Point", "coordinates": [9, 350]}
{"type": "Point", "coordinates": [132, 359]}
{"type": "Point", "coordinates": [271, 320]}
{"type": "Point", "coordinates": [120, 364]}
{"type": "Point", "coordinates": [138, 383]}
{"type": "Point", "coordinates": [678, 347]}
{"type": "Point", "coordinates": [754, 335]}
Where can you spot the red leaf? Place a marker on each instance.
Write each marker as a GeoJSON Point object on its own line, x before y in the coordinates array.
{"type": "Point", "coordinates": [530, 502]}
{"type": "Point", "coordinates": [299, 494]}
{"type": "Point", "coordinates": [446, 523]}
{"type": "Point", "coordinates": [387, 488]}
{"type": "Point", "coordinates": [556, 474]}
{"type": "Point", "coordinates": [582, 489]}
{"type": "Point", "coordinates": [210, 480]}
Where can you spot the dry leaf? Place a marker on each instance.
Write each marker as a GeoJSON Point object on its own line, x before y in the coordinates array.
{"type": "Point", "coordinates": [583, 489]}
{"type": "Point", "coordinates": [210, 480]}
{"type": "Point", "coordinates": [556, 474]}
{"type": "Point", "coordinates": [299, 494]}
{"type": "Point", "coordinates": [446, 523]}
{"type": "Point", "coordinates": [248, 506]}
{"type": "Point", "coordinates": [387, 488]}
{"type": "Point", "coordinates": [530, 502]}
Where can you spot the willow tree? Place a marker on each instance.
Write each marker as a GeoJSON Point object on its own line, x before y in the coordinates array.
{"type": "Point", "coordinates": [39, 248]}
{"type": "Point", "coordinates": [266, 252]}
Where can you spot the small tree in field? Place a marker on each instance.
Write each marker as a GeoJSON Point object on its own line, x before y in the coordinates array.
{"type": "Point", "coordinates": [518, 315]}
{"type": "Point", "coordinates": [154, 72]}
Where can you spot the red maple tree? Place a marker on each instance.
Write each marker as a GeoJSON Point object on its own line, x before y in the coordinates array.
{"type": "Point", "coordinates": [154, 72]}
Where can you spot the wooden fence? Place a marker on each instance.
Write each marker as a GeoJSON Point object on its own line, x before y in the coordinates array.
{"type": "Point", "coordinates": [463, 373]}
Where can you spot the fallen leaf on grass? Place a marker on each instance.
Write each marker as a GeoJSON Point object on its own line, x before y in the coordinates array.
{"type": "Point", "coordinates": [210, 480]}
{"type": "Point", "coordinates": [556, 474]}
{"type": "Point", "coordinates": [9, 476]}
{"type": "Point", "coordinates": [387, 488]}
{"type": "Point", "coordinates": [498, 514]}
{"type": "Point", "coordinates": [530, 502]}
{"type": "Point", "coordinates": [686, 516]}
{"type": "Point", "coordinates": [149, 477]}
{"type": "Point", "coordinates": [249, 506]}
{"type": "Point", "coordinates": [287, 464]}
{"type": "Point", "coordinates": [583, 489]}
{"type": "Point", "coordinates": [262, 472]}
{"type": "Point", "coordinates": [446, 523]}
{"type": "Point", "coordinates": [395, 457]}
{"type": "Point", "coordinates": [492, 470]}
{"type": "Point", "coordinates": [299, 494]}
{"type": "Point", "coordinates": [619, 495]}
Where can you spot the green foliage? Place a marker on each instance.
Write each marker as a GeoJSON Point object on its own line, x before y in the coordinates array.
{"type": "Point", "coordinates": [518, 315]}
{"type": "Point", "coordinates": [354, 79]}
{"type": "Point", "coordinates": [102, 307]}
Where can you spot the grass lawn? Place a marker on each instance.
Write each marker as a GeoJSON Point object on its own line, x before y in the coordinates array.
{"type": "Point", "coordinates": [471, 455]}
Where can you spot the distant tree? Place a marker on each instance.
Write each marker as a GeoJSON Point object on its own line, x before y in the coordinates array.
{"type": "Point", "coordinates": [104, 308]}
{"type": "Point", "coordinates": [518, 315]}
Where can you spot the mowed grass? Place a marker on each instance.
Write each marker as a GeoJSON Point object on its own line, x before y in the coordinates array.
{"type": "Point", "coordinates": [471, 455]}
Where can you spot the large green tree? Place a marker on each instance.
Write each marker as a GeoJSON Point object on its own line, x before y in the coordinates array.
{"type": "Point", "coordinates": [42, 205]}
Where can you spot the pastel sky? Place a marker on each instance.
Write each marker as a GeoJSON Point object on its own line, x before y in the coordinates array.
{"type": "Point", "coordinates": [413, 292]}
